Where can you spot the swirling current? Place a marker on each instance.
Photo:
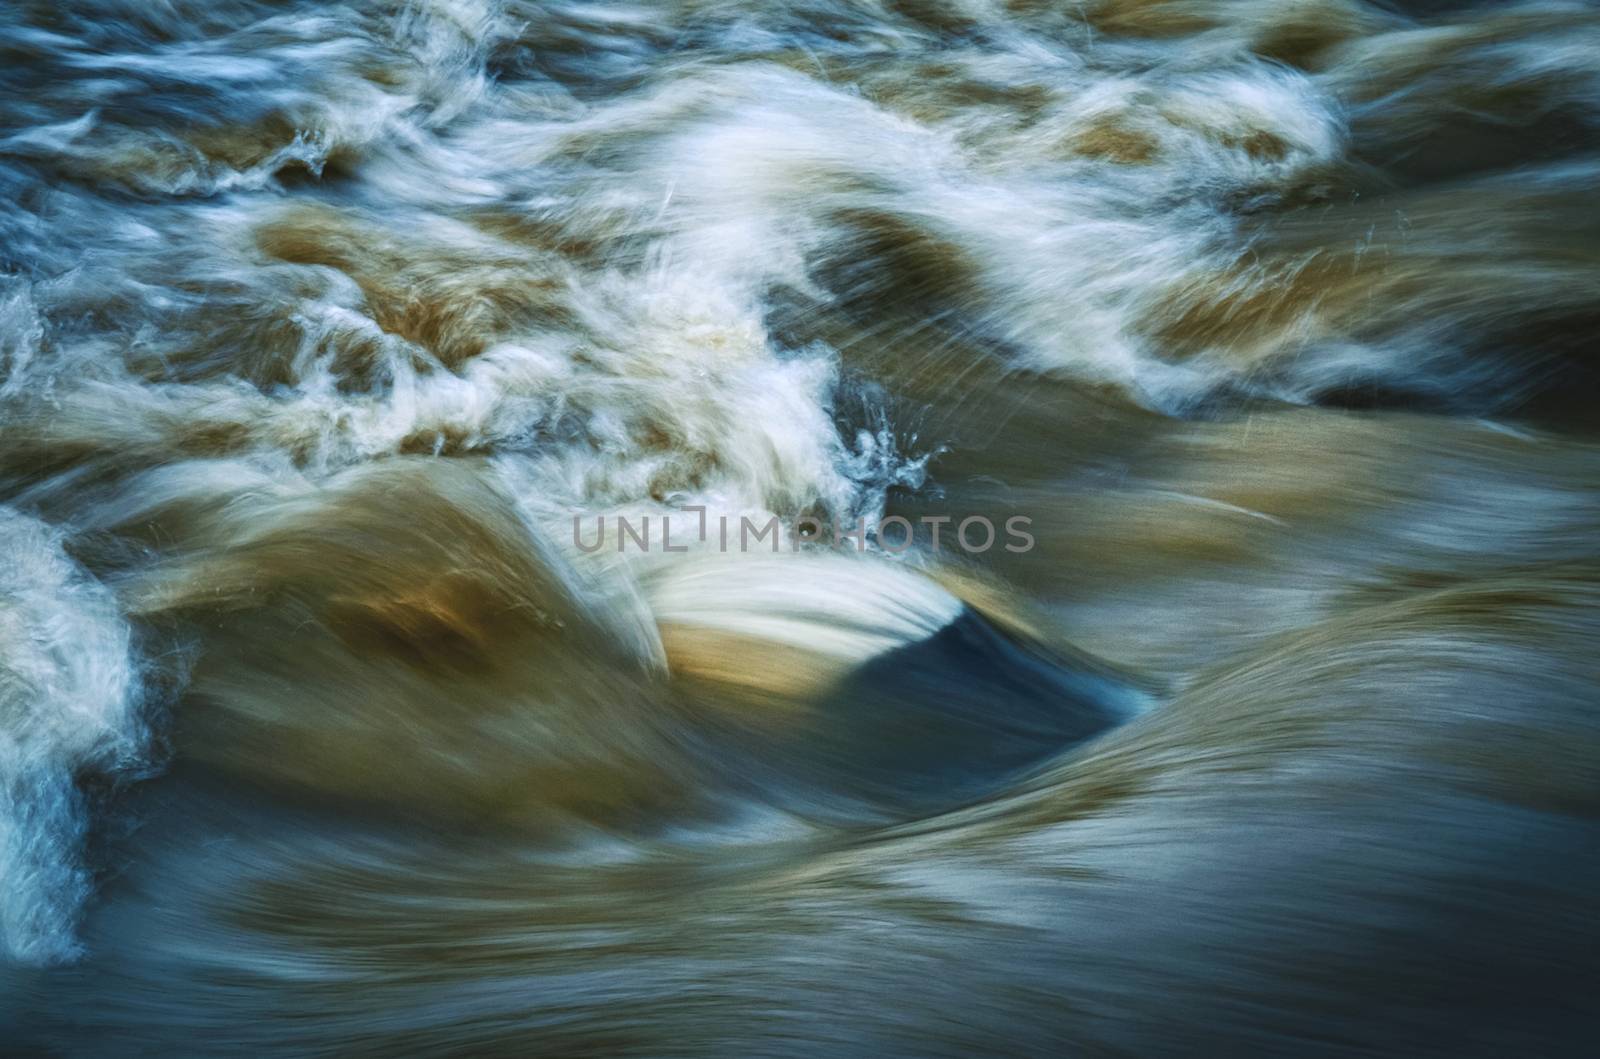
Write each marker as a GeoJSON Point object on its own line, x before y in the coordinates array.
{"type": "Point", "coordinates": [799, 527]}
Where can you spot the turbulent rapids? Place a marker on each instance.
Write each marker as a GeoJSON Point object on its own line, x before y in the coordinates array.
{"type": "Point", "coordinates": [865, 527]}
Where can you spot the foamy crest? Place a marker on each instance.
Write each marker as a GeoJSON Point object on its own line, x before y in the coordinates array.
{"type": "Point", "coordinates": [68, 707]}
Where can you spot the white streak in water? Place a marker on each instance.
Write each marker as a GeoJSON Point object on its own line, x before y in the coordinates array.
{"type": "Point", "coordinates": [68, 705]}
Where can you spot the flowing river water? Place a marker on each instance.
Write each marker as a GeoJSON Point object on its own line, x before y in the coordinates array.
{"type": "Point", "coordinates": [1170, 623]}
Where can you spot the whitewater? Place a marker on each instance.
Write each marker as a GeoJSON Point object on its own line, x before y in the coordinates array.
{"type": "Point", "coordinates": [491, 495]}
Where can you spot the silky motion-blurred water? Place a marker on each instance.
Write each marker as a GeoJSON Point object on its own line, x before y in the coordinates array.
{"type": "Point", "coordinates": [492, 527]}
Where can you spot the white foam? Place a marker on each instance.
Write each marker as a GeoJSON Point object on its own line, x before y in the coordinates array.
{"type": "Point", "coordinates": [68, 704]}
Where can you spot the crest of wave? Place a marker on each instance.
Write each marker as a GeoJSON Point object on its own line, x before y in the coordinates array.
{"type": "Point", "coordinates": [68, 708]}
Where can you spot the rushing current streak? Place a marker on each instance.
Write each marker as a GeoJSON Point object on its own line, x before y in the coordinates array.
{"type": "Point", "coordinates": [1268, 323]}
